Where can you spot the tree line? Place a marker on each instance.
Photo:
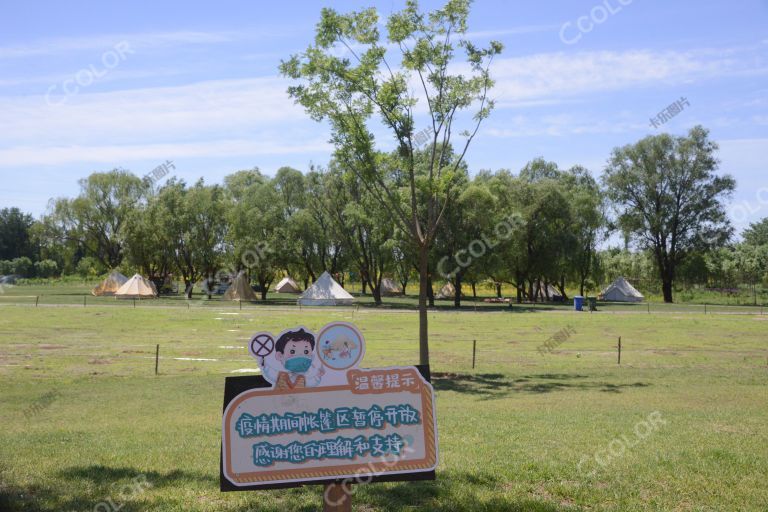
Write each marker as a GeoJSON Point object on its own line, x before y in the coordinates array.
{"type": "Point", "coordinates": [538, 229]}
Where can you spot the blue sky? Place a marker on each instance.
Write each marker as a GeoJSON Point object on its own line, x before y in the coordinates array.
{"type": "Point", "coordinates": [90, 86]}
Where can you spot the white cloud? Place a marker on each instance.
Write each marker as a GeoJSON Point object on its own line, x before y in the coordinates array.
{"type": "Point", "coordinates": [561, 125]}
{"type": "Point", "coordinates": [565, 75]}
{"type": "Point", "coordinates": [523, 29]}
{"type": "Point", "coordinates": [117, 156]}
{"type": "Point", "coordinates": [149, 114]}
{"type": "Point", "coordinates": [104, 42]}
{"type": "Point", "coordinates": [158, 121]}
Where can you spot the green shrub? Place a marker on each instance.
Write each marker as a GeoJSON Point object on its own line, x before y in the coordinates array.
{"type": "Point", "coordinates": [46, 268]}
{"type": "Point", "coordinates": [89, 267]}
{"type": "Point", "coordinates": [23, 266]}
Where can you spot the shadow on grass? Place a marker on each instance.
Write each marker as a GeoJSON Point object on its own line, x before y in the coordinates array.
{"type": "Point", "coordinates": [496, 385]}
{"type": "Point", "coordinates": [100, 475]}
{"type": "Point", "coordinates": [452, 491]}
{"type": "Point", "coordinates": [98, 487]}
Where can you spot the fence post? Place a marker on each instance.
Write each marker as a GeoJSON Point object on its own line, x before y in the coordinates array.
{"type": "Point", "coordinates": [705, 308]}
{"type": "Point", "coordinates": [84, 296]}
{"type": "Point", "coordinates": [241, 303]}
{"type": "Point", "coordinates": [649, 307]}
{"type": "Point", "coordinates": [474, 350]}
{"type": "Point", "coordinates": [134, 303]}
{"type": "Point", "coordinates": [619, 362]}
{"type": "Point", "coordinates": [157, 357]}
{"type": "Point", "coordinates": [37, 298]}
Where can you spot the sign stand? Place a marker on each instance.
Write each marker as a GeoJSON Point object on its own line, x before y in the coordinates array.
{"type": "Point", "coordinates": [337, 498]}
{"type": "Point", "coordinates": [314, 417]}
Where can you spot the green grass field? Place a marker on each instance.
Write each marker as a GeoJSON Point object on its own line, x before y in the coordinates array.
{"type": "Point", "coordinates": [84, 416]}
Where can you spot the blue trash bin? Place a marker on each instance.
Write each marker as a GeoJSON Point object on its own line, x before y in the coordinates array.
{"type": "Point", "coordinates": [578, 303]}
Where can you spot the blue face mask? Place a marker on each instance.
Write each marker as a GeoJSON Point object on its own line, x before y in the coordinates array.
{"type": "Point", "coordinates": [298, 364]}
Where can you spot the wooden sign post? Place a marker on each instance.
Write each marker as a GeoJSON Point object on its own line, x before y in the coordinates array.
{"type": "Point", "coordinates": [315, 417]}
{"type": "Point", "coordinates": [337, 498]}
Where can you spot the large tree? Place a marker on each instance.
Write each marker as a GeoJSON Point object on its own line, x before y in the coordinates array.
{"type": "Point", "coordinates": [191, 222]}
{"type": "Point", "coordinates": [95, 219]}
{"type": "Point", "coordinates": [588, 224]}
{"type": "Point", "coordinates": [254, 233]}
{"type": "Point", "coordinates": [669, 197]}
{"type": "Point", "coordinates": [15, 239]}
{"type": "Point", "coordinates": [757, 233]}
{"type": "Point", "coordinates": [351, 88]}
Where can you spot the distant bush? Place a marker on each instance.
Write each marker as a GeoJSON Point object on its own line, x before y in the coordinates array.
{"type": "Point", "coordinates": [46, 268]}
{"type": "Point", "coordinates": [89, 268]}
{"type": "Point", "coordinates": [22, 266]}
{"type": "Point", "coordinates": [6, 267]}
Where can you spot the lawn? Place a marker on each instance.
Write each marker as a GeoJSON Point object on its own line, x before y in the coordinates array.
{"type": "Point", "coordinates": [681, 425]}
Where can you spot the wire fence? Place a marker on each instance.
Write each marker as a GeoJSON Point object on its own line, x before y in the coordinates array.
{"type": "Point", "coordinates": [281, 303]}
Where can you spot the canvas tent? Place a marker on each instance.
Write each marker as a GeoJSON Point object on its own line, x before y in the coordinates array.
{"type": "Point", "coordinates": [621, 291]}
{"type": "Point", "coordinates": [446, 292]}
{"type": "Point", "coordinates": [240, 289]}
{"type": "Point", "coordinates": [388, 287]}
{"type": "Point", "coordinates": [325, 292]}
{"type": "Point", "coordinates": [547, 293]}
{"type": "Point", "coordinates": [137, 288]}
{"type": "Point", "coordinates": [287, 285]}
{"type": "Point", "coordinates": [110, 285]}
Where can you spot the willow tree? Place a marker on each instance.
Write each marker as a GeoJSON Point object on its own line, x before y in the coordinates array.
{"type": "Point", "coordinates": [669, 197]}
{"type": "Point", "coordinates": [413, 82]}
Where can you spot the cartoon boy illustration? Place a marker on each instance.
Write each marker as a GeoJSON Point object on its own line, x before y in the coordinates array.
{"type": "Point", "coordinates": [294, 350]}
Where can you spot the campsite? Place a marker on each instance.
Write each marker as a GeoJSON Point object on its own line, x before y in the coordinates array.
{"type": "Point", "coordinates": [404, 255]}
{"type": "Point", "coordinates": [112, 420]}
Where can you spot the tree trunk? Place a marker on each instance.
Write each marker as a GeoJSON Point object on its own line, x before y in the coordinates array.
{"type": "Point", "coordinates": [375, 287]}
{"type": "Point", "coordinates": [424, 283]}
{"type": "Point", "coordinates": [430, 292]}
{"type": "Point", "coordinates": [457, 290]}
{"type": "Point", "coordinates": [188, 286]}
{"type": "Point", "coordinates": [474, 290]}
{"type": "Point", "coordinates": [666, 287]}
{"type": "Point", "coordinates": [498, 290]}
